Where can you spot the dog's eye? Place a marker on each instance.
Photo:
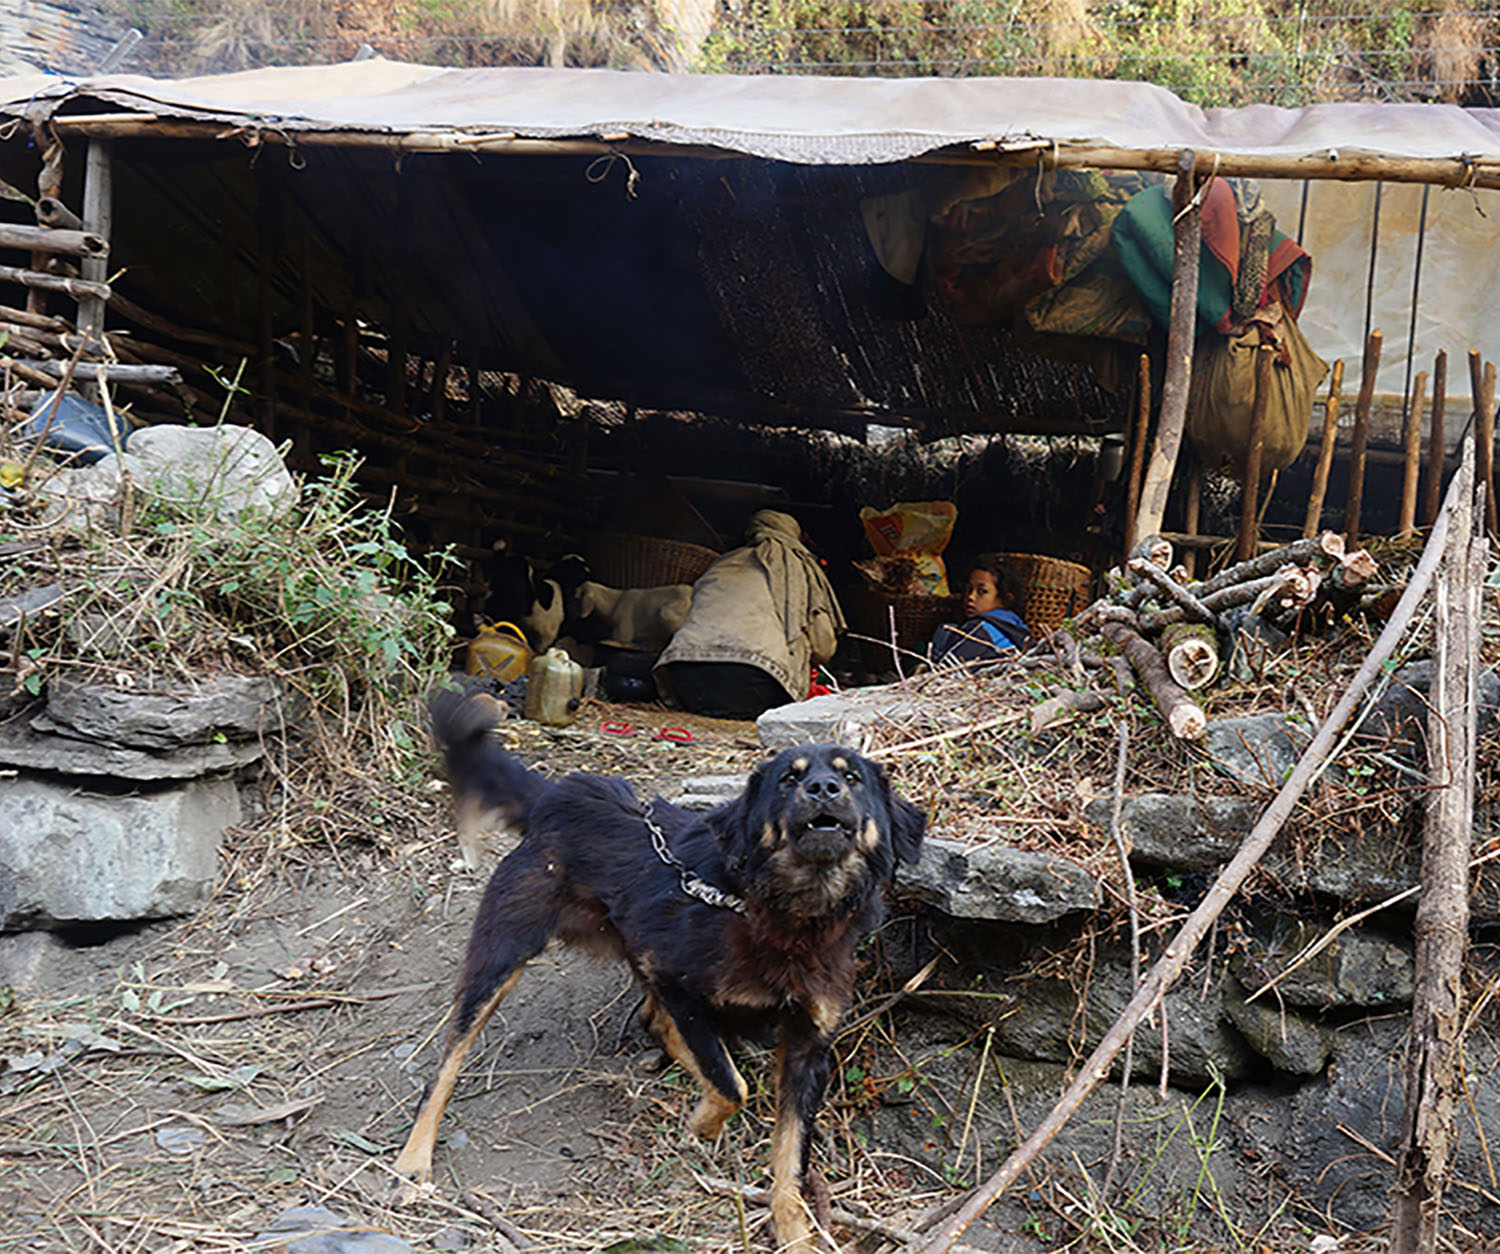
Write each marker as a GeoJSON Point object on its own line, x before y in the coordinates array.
{"type": "Point", "coordinates": [853, 776]}
{"type": "Point", "coordinates": [790, 777]}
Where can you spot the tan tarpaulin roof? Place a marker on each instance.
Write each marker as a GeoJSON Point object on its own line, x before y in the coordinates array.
{"type": "Point", "coordinates": [793, 118]}
{"type": "Point", "coordinates": [870, 121]}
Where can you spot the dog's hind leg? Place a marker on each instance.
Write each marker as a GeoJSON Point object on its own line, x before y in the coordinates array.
{"type": "Point", "coordinates": [683, 1024]}
{"type": "Point", "coordinates": [515, 919]}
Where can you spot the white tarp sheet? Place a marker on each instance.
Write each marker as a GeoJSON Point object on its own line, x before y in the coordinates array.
{"type": "Point", "coordinates": [786, 117]}
{"type": "Point", "coordinates": [870, 120]}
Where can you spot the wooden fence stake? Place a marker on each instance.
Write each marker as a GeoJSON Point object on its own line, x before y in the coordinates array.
{"type": "Point", "coordinates": [1137, 447]}
{"type": "Point", "coordinates": [1254, 449]}
{"type": "Point", "coordinates": [1412, 441]}
{"type": "Point", "coordinates": [1437, 447]}
{"type": "Point", "coordinates": [1434, 1076]}
{"type": "Point", "coordinates": [1359, 436]}
{"type": "Point", "coordinates": [1314, 521]}
{"type": "Point", "coordinates": [1484, 461]}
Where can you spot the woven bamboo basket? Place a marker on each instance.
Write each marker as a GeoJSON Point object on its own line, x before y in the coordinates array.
{"type": "Point", "coordinates": [916, 615]}
{"type": "Point", "coordinates": [624, 560]}
{"type": "Point", "coordinates": [1050, 588]}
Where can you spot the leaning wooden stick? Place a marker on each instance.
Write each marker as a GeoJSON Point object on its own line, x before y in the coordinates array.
{"type": "Point", "coordinates": [1174, 958]}
{"type": "Point", "coordinates": [1325, 452]}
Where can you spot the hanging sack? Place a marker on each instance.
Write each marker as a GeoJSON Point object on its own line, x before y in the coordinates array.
{"type": "Point", "coordinates": [1222, 395]}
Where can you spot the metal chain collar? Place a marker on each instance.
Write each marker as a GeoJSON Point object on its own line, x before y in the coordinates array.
{"type": "Point", "coordinates": [691, 884]}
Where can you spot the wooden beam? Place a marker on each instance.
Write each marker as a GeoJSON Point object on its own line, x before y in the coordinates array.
{"type": "Point", "coordinates": [1440, 171]}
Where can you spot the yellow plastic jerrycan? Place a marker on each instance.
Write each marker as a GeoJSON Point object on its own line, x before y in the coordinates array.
{"type": "Point", "coordinates": [499, 652]}
{"type": "Point", "coordinates": [554, 689]}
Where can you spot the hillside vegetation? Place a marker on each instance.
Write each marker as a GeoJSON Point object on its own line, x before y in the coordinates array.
{"type": "Point", "coordinates": [1213, 52]}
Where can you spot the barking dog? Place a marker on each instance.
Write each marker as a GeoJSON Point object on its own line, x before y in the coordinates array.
{"type": "Point", "coordinates": [743, 917]}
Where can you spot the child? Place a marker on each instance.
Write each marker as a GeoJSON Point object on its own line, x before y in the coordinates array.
{"type": "Point", "coordinates": [992, 631]}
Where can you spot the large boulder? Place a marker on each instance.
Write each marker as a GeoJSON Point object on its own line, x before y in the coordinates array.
{"type": "Point", "coordinates": [68, 856]}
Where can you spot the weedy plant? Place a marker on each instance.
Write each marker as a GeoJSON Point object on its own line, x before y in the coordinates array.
{"type": "Point", "coordinates": [325, 596]}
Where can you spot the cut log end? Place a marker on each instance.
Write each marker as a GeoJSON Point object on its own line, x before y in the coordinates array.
{"type": "Point", "coordinates": [1193, 663]}
{"type": "Point", "coordinates": [1187, 720]}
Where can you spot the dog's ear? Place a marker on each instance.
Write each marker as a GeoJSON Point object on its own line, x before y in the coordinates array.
{"type": "Point", "coordinates": [733, 820]}
{"type": "Point", "coordinates": [908, 823]}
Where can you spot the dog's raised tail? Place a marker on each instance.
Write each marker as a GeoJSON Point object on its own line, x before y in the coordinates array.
{"type": "Point", "coordinates": [484, 776]}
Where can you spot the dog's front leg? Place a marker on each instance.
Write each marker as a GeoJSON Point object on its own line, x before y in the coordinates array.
{"type": "Point", "coordinates": [801, 1079]}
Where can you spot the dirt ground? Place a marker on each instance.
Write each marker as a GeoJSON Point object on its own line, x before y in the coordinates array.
{"type": "Point", "coordinates": [175, 1087]}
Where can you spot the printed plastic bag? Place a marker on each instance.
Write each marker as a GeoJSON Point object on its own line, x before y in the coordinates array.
{"type": "Point", "coordinates": [919, 530]}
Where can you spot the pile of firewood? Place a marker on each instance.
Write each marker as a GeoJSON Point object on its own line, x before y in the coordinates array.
{"type": "Point", "coordinates": [1170, 633]}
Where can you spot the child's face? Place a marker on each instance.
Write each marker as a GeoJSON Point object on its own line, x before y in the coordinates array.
{"type": "Point", "coordinates": [982, 595]}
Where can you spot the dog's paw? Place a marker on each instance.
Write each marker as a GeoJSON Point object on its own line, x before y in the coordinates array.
{"type": "Point", "coordinates": [410, 1192]}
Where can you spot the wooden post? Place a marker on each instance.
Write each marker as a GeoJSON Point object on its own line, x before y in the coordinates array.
{"type": "Point", "coordinates": [1436, 443]}
{"type": "Point", "coordinates": [1314, 521]}
{"type": "Point", "coordinates": [1369, 367]}
{"type": "Point", "coordinates": [267, 204]}
{"type": "Point", "coordinates": [1484, 460]}
{"type": "Point", "coordinates": [1435, 1081]}
{"type": "Point", "coordinates": [1412, 441]}
{"type": "Point", "coordinates": [1254, 451]}
{"type": "Point", "coordinates": [48, 189]}
{"type": "Point", "coordinates": [1187, 217]}
{"type": "Point", "coordinates": [1137, 447]}
{"type": "Point", "coordinates": [437, 401]}
{"type": "Point", "coordinates": [98, 200]}
{"type": "Point", "coordinates": [1191, 509]}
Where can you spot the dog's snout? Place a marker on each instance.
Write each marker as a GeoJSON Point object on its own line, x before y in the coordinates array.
{"type": "Point", "coordinates": [824, 787]}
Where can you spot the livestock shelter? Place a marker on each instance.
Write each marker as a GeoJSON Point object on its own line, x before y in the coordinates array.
{"type": "Point", "coordinates": [371, 246]}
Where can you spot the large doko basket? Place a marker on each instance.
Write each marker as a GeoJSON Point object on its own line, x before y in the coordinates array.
{"type": "Point", "coordinates": [915, 617]}
{"type": "Point", "coordinates": [623, 560]}
{"type": "Point", "coordinates": [1050, 588]}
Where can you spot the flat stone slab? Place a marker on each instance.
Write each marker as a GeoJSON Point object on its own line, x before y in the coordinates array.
{"type": "Point", "coordinates": [837, 718]}
{"type": "Point", "coordinates": [997, 882]}
{"type": "Point", "coordinates": [22, 747]}
{"type": "Point", "coordinates": [162, 714]}
{"type": "Point", "coordinates": [69, 856]}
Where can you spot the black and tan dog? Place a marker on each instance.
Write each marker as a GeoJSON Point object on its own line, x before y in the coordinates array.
{"type": "Point", "coordinates": [733, 920]}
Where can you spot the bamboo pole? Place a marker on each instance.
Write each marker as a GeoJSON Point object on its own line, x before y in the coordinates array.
{"type": "Point", "coordinates": [79, 289]}
{"type": "Point", "coordinates": [1314, 520]}
{"type": "Point", "coordinates": [1369, 366]}
{"type": "Point", "coordinates": [1436, 442]}
{"type": "Point", "coordinates": [1412, 441]}
{"type": "Point", "coordinates": [1187, 220]}
{"type": "Point", "coordinates": [1139, 427]}
{"type": "Point", "coordinates": [1344, 166]}
{"type": "Point", "coordinates": [1180, 948]}
{"type": "Point", "coordinates": [98, 214]}
{"type": "Point", "coordinates": [49, 240]}
{"type": "Point", "coordinates": [1254, 452]}
{"type": "Point", "coordinates": [1434, 1073]}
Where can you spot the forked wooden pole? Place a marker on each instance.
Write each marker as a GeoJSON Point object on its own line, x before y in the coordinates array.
{"type": "Point", "coordinates": [1180, 948]}
{"type": "Point", "coordinates": [1187, 218]}
{"type": "Point", "coordinates": [1314, 521]}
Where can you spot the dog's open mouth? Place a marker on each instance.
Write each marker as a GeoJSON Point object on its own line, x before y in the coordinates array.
{"type": "Point", "coordinates": [825, 838]}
